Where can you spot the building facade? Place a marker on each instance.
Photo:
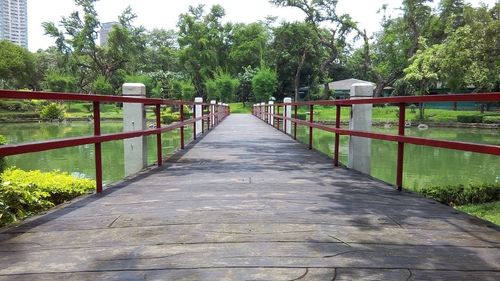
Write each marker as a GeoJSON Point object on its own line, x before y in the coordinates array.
{"type": "Point", "coordinates": [14, 21]}
{"type": "Point", "coordinates": [104, 32]}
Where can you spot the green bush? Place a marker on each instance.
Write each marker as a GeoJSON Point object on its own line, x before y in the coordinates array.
{"type": "Point", "coordinates": [168, 118]}
{"type": "Point", "coordinates": [16, 105]}
{"type": "Point", "coordinates": [3, 141]}
{"type": "Point", "coordinates": [24, 193]}
{"type": "Point", "coordinates": [52, 111]}
{"type": "Point", "coordinates": [301, 116]}
{"type": "Point", "coordinates": [470, 118]}
{"type": "Point", "coordinates": [462, 195]}
{"type": "Point", "coordinates": [264, 84]}
{"type": "Point", "coordinates": [19, 115]}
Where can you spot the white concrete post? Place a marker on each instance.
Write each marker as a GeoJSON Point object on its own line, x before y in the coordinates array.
{"type": "Point", "coordinates": [134, 119]}
{"type": "Point", "coordinates": [212, 111]}
{"type": "Point", "coordinates": [271, 111]}
{"type": "Point", "coordinates": [263, 110]}
{"type": "Point", "coordinates": [360, 149]}
{"type": "Point", "coordinates": [288, 123]}
{"type": "Point", "coordinates": [198, 115]}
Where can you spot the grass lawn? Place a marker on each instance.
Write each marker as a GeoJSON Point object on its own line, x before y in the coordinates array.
{"type": "Point", "coordinates": [390, 113]}
{"type": "Point", "coordinates": [487, 211]}
{"type": "Point", "coordinates": [237, 107]}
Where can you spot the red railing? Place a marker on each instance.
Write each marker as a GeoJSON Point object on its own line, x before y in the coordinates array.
{"type": "Point", "coordinates": [262, 111]}
{"type": "Point", "coordinates": [212, 115]}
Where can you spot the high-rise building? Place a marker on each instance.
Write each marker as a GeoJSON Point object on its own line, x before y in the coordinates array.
{"type": "Point", "coordinates": [14, 21]}
{"type": "Point", "coordinates": [105, 30]}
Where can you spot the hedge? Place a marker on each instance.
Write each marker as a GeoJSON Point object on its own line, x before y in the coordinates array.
{"type": "Point", "coordinates": [24, 193]}
{"type": "Point", "coordinates": [470, 118]}
{"type": "Point", "coordinates": [454, 195]}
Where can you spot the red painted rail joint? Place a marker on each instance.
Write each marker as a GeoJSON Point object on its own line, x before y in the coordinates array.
{"type": "Point", "coordinates": [98, 138]}
{"type": "Point", "coordinates": [400, 138]}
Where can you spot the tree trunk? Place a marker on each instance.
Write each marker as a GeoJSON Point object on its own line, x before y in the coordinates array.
{"type": "Point", "coordinates": [421, 108]}
{"type": "Point", "coordinates": [379, 89]}
{"type": "Point", "coordinates": [297, 75]}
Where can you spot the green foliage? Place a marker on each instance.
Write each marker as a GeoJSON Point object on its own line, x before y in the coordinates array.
{"type": "Point", "coordinates": [56, 81]}
{"type": "Point", "coordinates": [52, 111]}
{"type": "Point", "coordinates": [461, 195]}
{"type": "Point", "coordinates": [248, 46]}
{"type": "Point", "coordinates": [203, 44]}
{"type": "Point", "coordinates": [264, 84]}
{"type": "Point", "coordinates": [101, 86]}
{"type": "Point", "coordinates": [3, 164]}
{"type": "Point", "coordinates": [183, 90]}
{"type": "Point", "coordinates": [223, 87]}
{"type": "Point", "coordinates": [17, 105]}
{"type": "Point", "coordinates": [25, 193]}
{"type": "Point", "coordinates": [16, 65]}
{"type": "Point", "coordinates": [169, 117]}
{"type": "Point", "coordinates": [470, 118]}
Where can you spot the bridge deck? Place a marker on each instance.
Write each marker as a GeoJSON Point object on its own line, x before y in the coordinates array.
{"type": "Point", "coordinates": [248, 203]}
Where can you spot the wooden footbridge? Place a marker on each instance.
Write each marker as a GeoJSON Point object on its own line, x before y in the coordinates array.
{"type": "Point", "coordinates": [247, 202]}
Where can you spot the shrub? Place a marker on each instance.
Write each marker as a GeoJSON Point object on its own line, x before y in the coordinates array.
{"type": "Point", "coordinates": [3, 141]}
{"type": "Point", "coordinates": [102, 86]}
{"type": "Point", "coordinates": [52, 112]}
{"type": "Point", "coordinates": [470, 118]}
{"type": "Point", "coordinates": [301, 116]}
{"type": "Point", "coordinates": [461, 195]}
{"type": "Point", "coordinates": [264, 84]}
{"type": "Point", "coordinates": [25, 193]}
{"type": "Point", "coordinates": [168, 118]}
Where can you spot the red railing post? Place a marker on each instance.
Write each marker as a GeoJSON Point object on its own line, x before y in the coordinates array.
{"type": "Point", "coordinates": [181, 112]}
{"type": "Point", "coordinates": [209, 116]}
{"type": "Point", "coordinates": [158, 136]}
{"type": "Point", "coordinates": [202, 119]}
{"type": "Point", "coordinates": [278, 120]}
{"type": "Point", "coordinates": [295, 123]}
{"type": "Point", "coordinates": [98, 155]}
{"type": "Point", "coordinates": [194, 123]}
{"type": "Point", "coordinates": [337, 136]}
{"type": "Point", "coordinates": [401, 146]}
{"type": "Point", "coordinates": [311, 120]}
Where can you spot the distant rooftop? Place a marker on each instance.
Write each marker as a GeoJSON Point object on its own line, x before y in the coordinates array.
{"type": "Point", "coordinates": [346, 84]}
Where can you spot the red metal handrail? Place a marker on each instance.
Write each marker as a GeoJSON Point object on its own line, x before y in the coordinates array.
{"type": "Point", "coordinates": [263, 112]}
{"type": "Point", "coordinates": [216, 113]}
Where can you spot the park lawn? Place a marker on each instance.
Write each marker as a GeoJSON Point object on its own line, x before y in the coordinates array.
{"type": "Point", "coordinates": [238, 107]}
{"type": "Point", "coordinates": [391, 113]}
{"type": "Point", "coordinates": [486, 211]}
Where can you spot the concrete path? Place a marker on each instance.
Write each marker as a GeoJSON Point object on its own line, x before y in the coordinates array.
{"type": "Point", "coordinates": [248, 203]}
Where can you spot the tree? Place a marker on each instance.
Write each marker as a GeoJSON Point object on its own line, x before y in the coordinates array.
{"type": "Point", "coordinates": [183, 90]}
{"type": "Point", "coordinates": [248, 46]}
{"type": "Point", "coordinates": [203, 44]}
{"type": "Point", "coordinates": [422, 72]}
{"type": "Point", "coordinates": [56, 81]}
{"type": "Point", "coordinates": [245, 89]}
{"type": "Point", "coordinates": [297, 54]}
{"type": "Point", "coordinates": [223, 87]}
{"type": "Point", "coordinates": [335, 38]}
{"type": "Point", "coordinates": [87, 61]}
{"type": "Point", "coordinates": [264, 84]}
{"type": "Point", "coordinates": [16, 65]}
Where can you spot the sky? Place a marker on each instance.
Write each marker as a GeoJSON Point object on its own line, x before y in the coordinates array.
{"type": "Point", "coordinates": [165, 13]}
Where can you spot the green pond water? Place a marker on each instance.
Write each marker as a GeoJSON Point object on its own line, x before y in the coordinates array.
{"type": "Point", "coordinates": [423, 166]}
{"type": "Point", "coordinates": [79, 160]}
